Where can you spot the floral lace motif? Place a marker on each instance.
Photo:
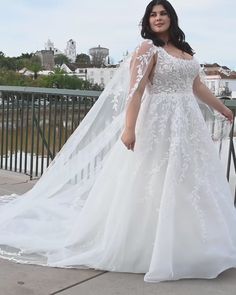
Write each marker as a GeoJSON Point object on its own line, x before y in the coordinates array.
{"type": "Point", "coordinates": [173, 126]}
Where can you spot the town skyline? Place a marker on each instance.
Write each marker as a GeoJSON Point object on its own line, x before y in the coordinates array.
{"type": "Point", "coordinates": [207, 26]}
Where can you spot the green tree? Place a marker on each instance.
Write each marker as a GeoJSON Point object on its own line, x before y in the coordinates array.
{"type": "Point", "coordinates": [60, 59]}
{"type": "Point", "coordinates": [34, 65]}
{"type": "Point", "coordinates": [83, 60]}
{"type": "Point", "coordinates": [25, 55]}
{"type": "Point", "coordinates": [7, 63]}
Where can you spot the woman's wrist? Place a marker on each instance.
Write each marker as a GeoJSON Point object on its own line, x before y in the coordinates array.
{"type": "Point", "coordinates": [130, 128]}
{"type": "Point", "coordinates": [223, 109]}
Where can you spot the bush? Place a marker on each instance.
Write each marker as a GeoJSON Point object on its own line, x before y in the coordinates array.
{"type": "Point", "coordinates": [12, 78]}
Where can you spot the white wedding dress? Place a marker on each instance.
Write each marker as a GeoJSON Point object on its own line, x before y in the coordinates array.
{"type": "Point", "coordinates": [164, 210]}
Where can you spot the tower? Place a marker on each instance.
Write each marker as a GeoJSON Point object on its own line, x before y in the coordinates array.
{"type": "Point", "coordinates": [99, 55]}
{"type": "Point", "coordinates": [70, 51]}
{"type": "Point", "coordinates": [49, 45]}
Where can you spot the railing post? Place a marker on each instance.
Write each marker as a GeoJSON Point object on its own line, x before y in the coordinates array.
{"type": "Point", "coordinates": [32, 135]}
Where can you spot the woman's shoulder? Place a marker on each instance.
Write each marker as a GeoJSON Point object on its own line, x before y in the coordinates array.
{"type": "Point", "coordinates": [146, 46]}
{"type": "Point", "coordinates": [146, 43]}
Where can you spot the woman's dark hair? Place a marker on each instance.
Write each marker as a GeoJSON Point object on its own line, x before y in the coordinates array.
{"type": "Point", "coordinates": [177, 36]}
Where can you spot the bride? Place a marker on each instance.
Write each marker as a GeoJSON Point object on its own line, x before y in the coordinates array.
{"type": "Point", "coordinates": [138, 187]}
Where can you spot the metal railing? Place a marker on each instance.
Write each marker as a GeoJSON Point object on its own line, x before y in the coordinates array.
{"type": "Point", "coordinates": [36, 122]}
{"type": "Point", "coordinates": [231, 151]}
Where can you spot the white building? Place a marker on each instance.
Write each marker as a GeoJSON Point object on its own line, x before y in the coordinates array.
{"type": "Point", "coordinates": [220, 80]}
{"type": "Point", "coordinates": [66, 68]}
{"type": "Point", "coordinates": [99, 55]}
{"type": "Point", "coordinates": [70, 50]}
{"type": "Point", "coordinates": [49, 45]}
{"type": "Point", "coordinates": [100, 76]}
{"type": "Point", "coordinates": [26, 72]}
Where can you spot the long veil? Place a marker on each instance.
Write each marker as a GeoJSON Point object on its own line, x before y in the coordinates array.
{"type": "Point", "coordinates": [43, 216]}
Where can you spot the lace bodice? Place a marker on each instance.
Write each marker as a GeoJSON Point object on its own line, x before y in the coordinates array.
{"type": "Point", "coordinates": [173, 74]}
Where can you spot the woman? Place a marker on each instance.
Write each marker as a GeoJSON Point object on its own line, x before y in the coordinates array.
{"type": "Point", "coordinates": [166, 209]}
{"type": "Point", "coordinates": [160, 24]}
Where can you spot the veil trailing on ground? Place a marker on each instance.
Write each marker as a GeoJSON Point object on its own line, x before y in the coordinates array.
{"type": "Point", "coordinates": [66, 183]}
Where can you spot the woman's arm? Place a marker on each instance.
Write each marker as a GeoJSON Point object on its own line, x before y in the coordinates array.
{"type": "Point", "coordinates": [128, 135]}
{"type": "Point", "coordinates": [204, 94]}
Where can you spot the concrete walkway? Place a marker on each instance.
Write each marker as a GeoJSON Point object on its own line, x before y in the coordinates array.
{"type": "Point", "coordinates": [18, 279]}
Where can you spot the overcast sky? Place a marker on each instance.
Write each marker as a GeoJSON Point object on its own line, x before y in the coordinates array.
{"type": "Point", "coordinates": [25, 25]}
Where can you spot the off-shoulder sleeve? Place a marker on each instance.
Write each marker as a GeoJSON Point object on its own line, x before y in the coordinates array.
{"type": "Point", "coordinates": [139, 64]}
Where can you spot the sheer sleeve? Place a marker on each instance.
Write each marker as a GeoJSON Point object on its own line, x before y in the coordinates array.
{"type": "Point", "coordinates": [140, 65]}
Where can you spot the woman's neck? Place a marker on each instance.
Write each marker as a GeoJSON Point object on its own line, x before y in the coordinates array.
{"type": "Point", "coordinates": [165, 38]}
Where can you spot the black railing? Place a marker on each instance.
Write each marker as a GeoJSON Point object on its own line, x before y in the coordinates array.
{"type": "Point", "coordinates": [231, 151]}
{"type": "Point", "coordinates": [36, 122]}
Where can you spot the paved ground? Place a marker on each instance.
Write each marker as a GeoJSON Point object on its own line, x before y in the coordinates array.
{"type": "Point", "coordinates": [18, 279]}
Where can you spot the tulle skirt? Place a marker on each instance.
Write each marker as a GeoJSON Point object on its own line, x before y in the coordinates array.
{"type": "Point", "coordinates": [164, 210]}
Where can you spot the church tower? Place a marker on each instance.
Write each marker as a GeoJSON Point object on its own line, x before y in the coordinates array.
{"type": "Point", "coordinates": [49, 45]}
{"type": "Point", "coordinates": [71, 50]}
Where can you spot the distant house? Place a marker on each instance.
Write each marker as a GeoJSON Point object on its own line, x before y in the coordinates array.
{"type": "Point", "coordinates": [45, 72]}
{"type": "Point", "coordinates": [81, 73]}
{"type": "Point", "coordinates": [220, 79]}
{"type": "Point", "coordinates": [26, 72]}
{"type": "Point", "coordinates": [69, 68]}
{"type": "Point", "coordinates": [100, 76]}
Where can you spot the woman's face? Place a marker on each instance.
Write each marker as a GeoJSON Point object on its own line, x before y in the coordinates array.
{"type": "Point", "coordinates": [159, 19]}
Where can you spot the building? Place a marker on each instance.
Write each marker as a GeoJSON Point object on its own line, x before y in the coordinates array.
{"type": "Point", "coordinates": [70, 50]}
{"type": "Point", "coordinates": [100, 76]}
{"type": "Point", "coordinates": [47, 59]}
{"type": "Point", "coordinates": [49, 45]}
{"type": "Point", "coordinates": [99, 56]}
{"type": "Point", "coordinates": [220, 79]}
{"type": "Point", "coordinates": [26, 72]}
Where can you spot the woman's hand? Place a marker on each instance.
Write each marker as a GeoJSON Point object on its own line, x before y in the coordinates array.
{"type": "Point", "coordinates": [228, 114]}
{"type": "Point", "coordinates": [128, 138]}
{"type": "Point", "coordinates": [205, 94]}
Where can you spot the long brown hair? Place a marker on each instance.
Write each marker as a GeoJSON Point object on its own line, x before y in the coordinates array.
{"type": "Point", "coordinates": [177, 36]}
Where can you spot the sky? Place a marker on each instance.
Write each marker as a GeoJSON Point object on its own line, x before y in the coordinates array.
{"type": "Point", "coordinates": [25, 26]}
